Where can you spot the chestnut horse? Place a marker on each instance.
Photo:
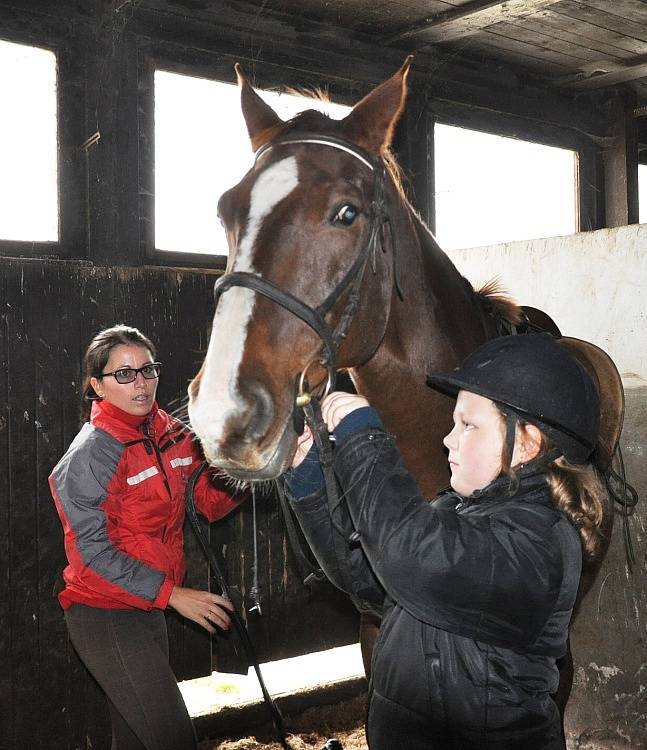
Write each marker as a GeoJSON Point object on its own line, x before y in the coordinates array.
{"type": "Point", "coordinates": [325, 249]}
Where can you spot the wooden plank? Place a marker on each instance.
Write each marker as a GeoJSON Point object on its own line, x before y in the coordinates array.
{"type": "Point", "coordinates": [554, 30]}
{"type": "Point", "coordinates": [179, 329]}
{"type": "Point", "coordinates": [53, 292]}
{"type": "Point", "coordinates": [547, 42]}
{"type": "Point", "coordinates": [469, 19]}
{"type": "Point", "coordinates": [7, 673]}
{"type": "Point", "coordinates": [83, 699]}
{"type": "Point", "coordinates": [634, 11]}
{"type": "Point", "coordinates": [525, 55]}
{"type": "Point", "coordinates": [22, 562]}
{"type": "Point", "coordinates": [563, 21]}
{"type": "Point", "coordinates": [603, 18]}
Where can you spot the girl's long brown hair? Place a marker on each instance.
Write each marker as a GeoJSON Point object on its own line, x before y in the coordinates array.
{"type": "Point", "coordinates": [578, 491]}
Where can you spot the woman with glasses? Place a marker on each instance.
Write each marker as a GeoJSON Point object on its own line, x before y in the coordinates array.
{"type": "Point", "coordinates": [119, 492]}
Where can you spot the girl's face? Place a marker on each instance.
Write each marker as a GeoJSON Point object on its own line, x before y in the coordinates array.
{"type": "Point", "coordinates": [475, 443]}
{"type": "Point", "coordinates": [136, 397]}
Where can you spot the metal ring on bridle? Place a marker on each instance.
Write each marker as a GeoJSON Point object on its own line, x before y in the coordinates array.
{"type": "Point", "coordinates": [305, 397]}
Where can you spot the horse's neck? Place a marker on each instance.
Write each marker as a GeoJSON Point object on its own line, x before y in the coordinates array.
{"type": "Point", "coordinates": [432, 328]}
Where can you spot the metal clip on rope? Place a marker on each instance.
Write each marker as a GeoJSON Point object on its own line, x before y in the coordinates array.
{"type": "Point", "coordinates": [304, 396]}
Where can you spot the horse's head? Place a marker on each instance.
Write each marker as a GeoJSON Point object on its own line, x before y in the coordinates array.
{"type": "Point", "coordinates": [303, 228]}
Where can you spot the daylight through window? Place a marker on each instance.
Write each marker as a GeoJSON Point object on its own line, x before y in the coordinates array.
{"type": "Point", "coordinates": [491, 189]}
{"type": "Point", "coordinates": [201, 150]}
{"type": "Point", "coordinates": [28, 144]}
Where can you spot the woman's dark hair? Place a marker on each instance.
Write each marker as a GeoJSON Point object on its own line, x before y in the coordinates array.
{"type": "Point", "coordinates": [98, 354]}
{"type": "Point", "coordinates": [577, 490]}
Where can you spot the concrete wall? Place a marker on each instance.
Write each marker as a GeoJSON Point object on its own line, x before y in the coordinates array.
{"type": "Point", "coordinates": [594, 285]}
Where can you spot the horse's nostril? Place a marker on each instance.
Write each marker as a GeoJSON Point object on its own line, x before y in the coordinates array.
{"type": "Point", "coordinates": [261, 410]}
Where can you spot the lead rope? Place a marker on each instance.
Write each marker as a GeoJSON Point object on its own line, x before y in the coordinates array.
{"type": "Point", "coordinates": [624, 495]}
{"type": "Point", "coordinates": [273, 710]}
{"type": "Point", "coordinates": [254, 592]}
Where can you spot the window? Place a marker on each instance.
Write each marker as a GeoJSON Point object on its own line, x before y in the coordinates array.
{"type": "Point", "coordinates": [491, 189]}
{"type": "Point", "coordinates": [642, 193]}
{"type": "Point", "coordinates": [201, 150]}
{"type": "Point", "coordinates": [28, 144]}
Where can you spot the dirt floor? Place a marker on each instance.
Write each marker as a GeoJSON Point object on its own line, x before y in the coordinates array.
{"type": "Point", "coordinates": [310, 730]}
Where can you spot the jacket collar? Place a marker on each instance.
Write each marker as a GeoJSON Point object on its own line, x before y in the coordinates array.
{"type": "Point", "coordinates": [531, 478]}
{"type": "Point", "coordinates": [111, 418]}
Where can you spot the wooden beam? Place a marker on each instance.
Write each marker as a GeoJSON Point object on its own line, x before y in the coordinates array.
{"type": "Point", "coordinates": [603, 80]}
{"type": "Point", "coordinates": [620, 164]}
{"type": "Point", "coordinates": [470, 18]}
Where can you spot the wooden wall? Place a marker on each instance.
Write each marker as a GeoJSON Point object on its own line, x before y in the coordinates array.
{"type": "Point", "coordinates": [50, 310]}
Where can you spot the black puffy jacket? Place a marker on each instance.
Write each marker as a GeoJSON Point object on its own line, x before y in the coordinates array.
{"type": "Point", "coordinates": [475, 595]}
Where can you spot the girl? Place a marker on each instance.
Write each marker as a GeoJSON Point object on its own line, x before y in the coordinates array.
{"type": "Point", "coordinates": [476, 589]}
{"type": "Point", "coordinates": [119, 492]}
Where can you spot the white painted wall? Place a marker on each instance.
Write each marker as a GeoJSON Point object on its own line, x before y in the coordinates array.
{"type": "Point", "coordinates": [593, 285]}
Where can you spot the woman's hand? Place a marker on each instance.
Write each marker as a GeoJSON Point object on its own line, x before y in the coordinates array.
{"type": "Point", "coordinates": [338, 405]}
{"type": "Point", "coordinates": [203, 607]}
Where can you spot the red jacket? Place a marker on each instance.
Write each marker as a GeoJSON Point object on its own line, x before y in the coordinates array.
{"type": "Point", "coordinates": [119, 492]}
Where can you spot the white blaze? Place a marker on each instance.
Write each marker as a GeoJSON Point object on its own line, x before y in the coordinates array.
{"type": "Point", "coordinates": [217, 398]}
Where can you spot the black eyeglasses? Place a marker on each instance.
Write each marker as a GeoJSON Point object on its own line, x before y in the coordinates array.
{"type": "Point", "coordinates": [128, 374]}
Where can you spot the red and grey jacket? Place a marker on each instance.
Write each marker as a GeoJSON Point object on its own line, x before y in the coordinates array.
{"type": "Point", "coordinates": [119, 492]}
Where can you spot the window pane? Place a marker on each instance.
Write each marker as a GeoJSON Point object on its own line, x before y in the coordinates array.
{"type": "Point", "coordinates": [491, 189]}
{"type": "Point", "coordinates": [201, 150]}
{"type": "Point", "coordinates": [642, 193]}
{"type": "Point", "coordinates": [28, 144]}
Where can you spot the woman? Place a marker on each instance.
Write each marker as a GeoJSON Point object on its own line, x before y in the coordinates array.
{"type": "Point", "coordinates": [476, 589]}
{"type": "Point", "coordinates": [119, 492]}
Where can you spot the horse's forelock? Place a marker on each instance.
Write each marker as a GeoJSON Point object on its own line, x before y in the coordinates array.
{"type": "Point", "coordinates": [308, 121]}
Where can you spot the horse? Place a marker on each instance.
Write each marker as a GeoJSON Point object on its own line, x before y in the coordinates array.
{"type": "Point", "coordinates": [330, 268]}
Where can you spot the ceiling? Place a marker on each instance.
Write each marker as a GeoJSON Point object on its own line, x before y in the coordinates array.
{"type": "Point", "coordinates": [582, 45]}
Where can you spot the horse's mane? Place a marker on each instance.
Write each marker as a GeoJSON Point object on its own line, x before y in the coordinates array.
{"type": "Point", "coordinates": [494, 295]}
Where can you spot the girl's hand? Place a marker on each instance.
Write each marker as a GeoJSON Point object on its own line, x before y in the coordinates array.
{"type": "Point", "coordinates": [338, 405]}
{"type": "Point", "coordinates": [304, 443]}
{"type": "Point", "coordinates": [203, 607]}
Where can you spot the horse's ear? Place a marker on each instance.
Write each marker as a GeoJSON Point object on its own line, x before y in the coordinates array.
{"type": "Point", "coordinates": [260, 118]}
{"type": "Point", "coordinates": [373, 119]}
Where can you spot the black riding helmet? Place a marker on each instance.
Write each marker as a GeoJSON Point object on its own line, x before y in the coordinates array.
{"type": "Point", "coordinates": [537, 380]}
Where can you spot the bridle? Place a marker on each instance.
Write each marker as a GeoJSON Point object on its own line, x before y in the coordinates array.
{"type": "Point", "coordinates": [315, 317]}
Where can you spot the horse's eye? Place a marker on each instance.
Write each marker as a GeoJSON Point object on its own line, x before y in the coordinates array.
{"type": "Point", "coordinates": [346, 215]}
